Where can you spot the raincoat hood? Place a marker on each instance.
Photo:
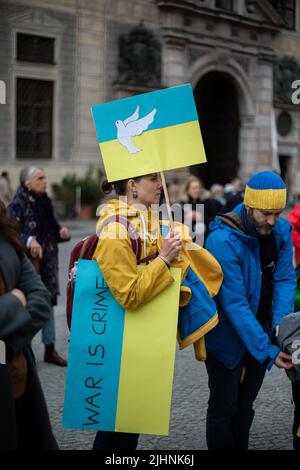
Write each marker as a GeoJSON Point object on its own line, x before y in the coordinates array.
{"type": "Point", "coordinates": [117, 207]}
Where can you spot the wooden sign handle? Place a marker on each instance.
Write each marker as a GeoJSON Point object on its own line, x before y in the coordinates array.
{"type": "Point", "coordinates": [163, 180]}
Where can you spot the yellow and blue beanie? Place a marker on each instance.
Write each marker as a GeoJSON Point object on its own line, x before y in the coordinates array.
{"type": "Point", "coordinates": [265, 190]}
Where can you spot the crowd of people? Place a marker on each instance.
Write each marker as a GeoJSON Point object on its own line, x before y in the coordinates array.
{"type": "Point", "coordinates": [249, 255]}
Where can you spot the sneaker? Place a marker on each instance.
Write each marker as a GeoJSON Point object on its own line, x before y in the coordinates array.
{"type": "Point", "coordinates": [56, 359]}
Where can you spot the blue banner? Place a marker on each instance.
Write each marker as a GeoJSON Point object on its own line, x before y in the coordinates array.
{"type": "Point", "coordinates": [95, 353]}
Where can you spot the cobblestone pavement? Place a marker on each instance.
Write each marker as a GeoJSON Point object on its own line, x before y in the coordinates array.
{"type": "Point", "coordinates": [271, 427]}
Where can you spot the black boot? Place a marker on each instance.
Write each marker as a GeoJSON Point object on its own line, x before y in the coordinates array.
{"type": "Point", "coordinates": [52, 356]}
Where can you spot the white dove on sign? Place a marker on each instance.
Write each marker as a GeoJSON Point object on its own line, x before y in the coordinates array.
{"type": "Point", "coordinates": [133, 126]}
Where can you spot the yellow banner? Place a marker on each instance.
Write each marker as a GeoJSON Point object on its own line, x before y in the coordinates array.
{"type": "Point", "coordinates": [147, 365]}
{"type": "Point", "coordinates": [161, 149]}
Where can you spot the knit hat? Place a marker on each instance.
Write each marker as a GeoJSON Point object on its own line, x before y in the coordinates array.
{"type": "Point", "coordinates": [265, 190]}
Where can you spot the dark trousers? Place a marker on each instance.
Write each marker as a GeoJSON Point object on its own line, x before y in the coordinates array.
{"type": "Point", "coordinates": [296, 424]}
{"type": "Point", "coordinates": [106, 440]}
{"type": "Point", "coordinates": [230, 407]}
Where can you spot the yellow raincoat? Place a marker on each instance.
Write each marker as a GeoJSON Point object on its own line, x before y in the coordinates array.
{"type": "Point", "coordinates": [132, 288]}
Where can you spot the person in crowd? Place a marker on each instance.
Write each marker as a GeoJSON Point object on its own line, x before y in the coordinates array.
{"type": "Point", "coordinates": [196, 195]}
{"type": "Point", "coordinates": [217, 194]}
{"type": "Point", "coordinates": [41, 233]}
{"type": "Point", "coordinates": [174, 189]}
{"type": "Point", "coordinates": [6, 192]}
{"type": "Point", "coordinates": [118, 263]}
{"type": "Point", "coordinates": [254, 248]}
{"type": "Point", "coordinates": [25, 307]}
{"type": "Point", "coordinates": [294, 219]}
{"type": "Point", "coordinates": [235, 194]}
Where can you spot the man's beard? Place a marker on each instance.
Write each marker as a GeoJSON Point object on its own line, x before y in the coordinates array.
{"type": "Point", "coordinates": [262, 229]}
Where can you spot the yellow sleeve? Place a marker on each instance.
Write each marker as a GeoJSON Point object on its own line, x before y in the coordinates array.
{"type": "Point", "coordinates": [117, 262]}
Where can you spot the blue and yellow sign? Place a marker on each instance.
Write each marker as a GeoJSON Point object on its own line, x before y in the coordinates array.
{"type": "Point", "coordinates": [121, 362]}
{"type": "Point", "coordinates": [149, 133]}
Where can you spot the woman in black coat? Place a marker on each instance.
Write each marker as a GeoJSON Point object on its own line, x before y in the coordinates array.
{"type": "Point", "coordinates": [24, 308]}
{"type": "Point", "coordinates": [41, 233]}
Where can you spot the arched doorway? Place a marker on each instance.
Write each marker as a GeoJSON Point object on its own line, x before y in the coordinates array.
{"type": "Point", "coordinates": [217, 104]}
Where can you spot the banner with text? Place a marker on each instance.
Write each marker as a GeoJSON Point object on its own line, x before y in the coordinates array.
{"type": "Point", "coordinates": [121, 363]}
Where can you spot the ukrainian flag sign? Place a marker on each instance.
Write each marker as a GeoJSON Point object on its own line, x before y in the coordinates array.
{"type": "Point", "coordinates": [149, 133]}
{"type": "Point", "coordinates": [121, 363]}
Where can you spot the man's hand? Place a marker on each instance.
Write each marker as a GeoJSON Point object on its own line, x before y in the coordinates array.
{"type": "Point", "coordinates": [284, 361]}
{"type": "Point", "coordinates": [35, 249]}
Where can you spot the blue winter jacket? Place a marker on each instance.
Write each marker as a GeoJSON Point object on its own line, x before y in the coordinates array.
{"type": "Point", "coordinates": [238, 299]}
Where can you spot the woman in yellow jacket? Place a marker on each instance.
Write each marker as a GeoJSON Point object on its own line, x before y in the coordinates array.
{"type": "Point", "coordinates": [118, 262]}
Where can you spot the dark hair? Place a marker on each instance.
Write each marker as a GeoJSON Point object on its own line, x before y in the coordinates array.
{"type": "Point", "coordinates": [9, 229]}
{"type": "Point", "coordinates": [118, 186]}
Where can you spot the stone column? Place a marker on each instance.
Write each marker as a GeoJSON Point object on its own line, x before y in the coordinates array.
{"type": "Point", "coordinates": [264, 107]}
{"type": "Point", "coordinates": [247, 146]}
{"type": "Point", "coordinates": [174, 64]}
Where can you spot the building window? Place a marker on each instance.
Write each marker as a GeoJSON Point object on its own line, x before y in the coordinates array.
{"type": "Point", "coordinates": [224, 4]}
{"type": "Point", "coordinates": [34, 118]}
{"type": "Point", "coordinates": [284, 124]}
{"type": "Point", "coordinates": [32, 48]}
{"type": "Point", "coordinates": [286, 9]}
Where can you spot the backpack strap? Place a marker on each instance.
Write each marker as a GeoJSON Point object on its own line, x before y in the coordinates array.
{"type": "Point", "coordinates": [147, 259]}
{"type": "Point", "coordinates": [88, 247]}
{"type": "Point", "coordinates": [133, 234]}
{"type": "Point", "coordinates": [232, 219]}
{"type": "Point", "coordinates": [90, 242]}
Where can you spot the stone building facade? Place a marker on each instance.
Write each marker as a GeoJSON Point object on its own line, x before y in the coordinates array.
{"type": "Point", "coordinates": [240, 56]}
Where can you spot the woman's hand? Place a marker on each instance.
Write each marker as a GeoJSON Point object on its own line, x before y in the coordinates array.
{"type": "Point", "coordinates": [35, 249]}
{"type": "Point", "coordinates": [170, 247]}
{"type": "Point", "coordinates": [20, 295]}
{"type": "Point", "coordinates": [64, 233]}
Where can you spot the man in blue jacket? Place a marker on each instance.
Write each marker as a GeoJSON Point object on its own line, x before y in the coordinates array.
{"type": "Point", "coordinates": [254, 248]}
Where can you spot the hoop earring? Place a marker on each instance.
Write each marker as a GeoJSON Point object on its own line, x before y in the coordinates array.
{"type": "Point", "coordinates": [135, 194]}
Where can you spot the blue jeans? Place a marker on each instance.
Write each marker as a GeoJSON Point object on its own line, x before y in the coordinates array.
{"type": "Point", "coordinates": [48, 330]}
{"type": "Point", "coordinates": [230, 407]}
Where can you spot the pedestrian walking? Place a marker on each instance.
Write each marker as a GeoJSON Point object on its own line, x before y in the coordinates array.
{"type": "Point", "coordinates": [254, 248]}
{"type": "Point", "coordinates": [41, 233]}
{"type": "Point", "coordinates": [25, 307]}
